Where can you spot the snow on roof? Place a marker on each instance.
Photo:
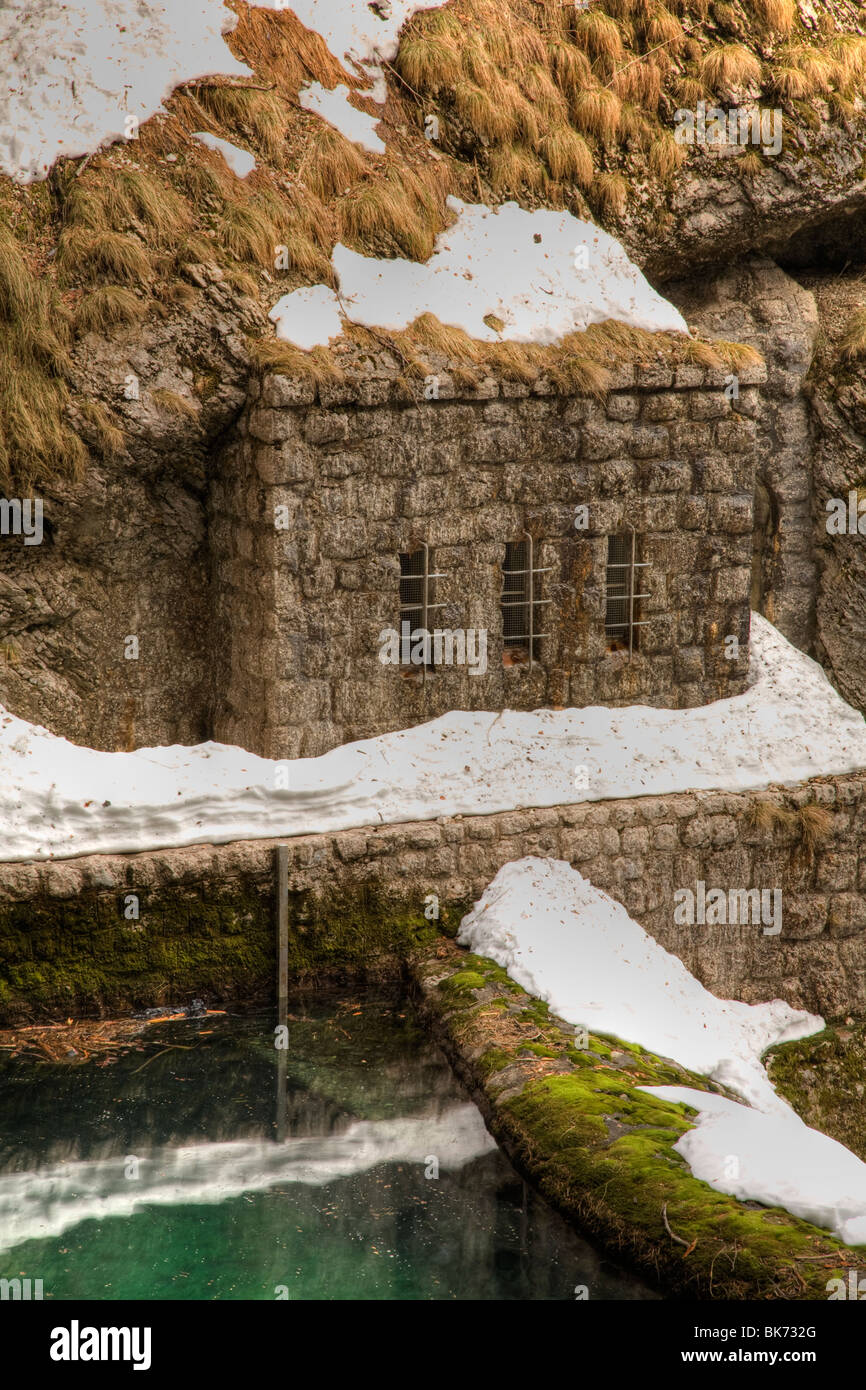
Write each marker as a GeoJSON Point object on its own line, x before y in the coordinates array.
{"type": "Point", "coordinates": [543, 273]}
{"type": "Point", "coordinates": [334, 107]}
{"type": "Point", "coordinates": [568, 943]}
{"type": "Point", "coordinates": [241, 162]}
{"type": "Point", "coordinates": [571, 945]}
{"type": "Point", "coordinates": [74, 73]}
{"type": "Point", "coordinates": [59, 799]}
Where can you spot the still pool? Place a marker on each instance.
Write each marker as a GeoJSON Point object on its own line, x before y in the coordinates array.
{"type": "Point", "coordinates": [202, 1163]}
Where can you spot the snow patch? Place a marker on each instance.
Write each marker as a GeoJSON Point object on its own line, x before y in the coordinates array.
{"type": "Point", "coordinates": [571, 945]}
{"type": "Point", "coordinates": [568, 943]}
{"type": "Point", "coordinates": [241, 162]}
{"type": "Point", "coordinates": [308, 317]}
{"type": "Point", "coordinates": [75, 73]}
{"type": "Point", "coordinates": [354, 29]}
{"type": "Point", "coordinates": [59, 799]}
{"type": "Point", "coordinates": [780, 1161]}
{"type": "Point", "coordinates": [334, 106]}
{"type": "Point", "coordinates": [543, 274]}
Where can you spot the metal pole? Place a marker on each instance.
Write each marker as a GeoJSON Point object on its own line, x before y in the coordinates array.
{"type": "Point", "coordinates": [424, 597]}
{"type": "Point", "coordinates": [631, 596]}
{"type": "Point", "coordinates": [282, 982]}
{"type": "Point", "coordinates": [531, 597]}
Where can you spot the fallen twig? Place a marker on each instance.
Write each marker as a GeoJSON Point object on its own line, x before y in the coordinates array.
{"type": "Point", "coordinates": [679, 1240]}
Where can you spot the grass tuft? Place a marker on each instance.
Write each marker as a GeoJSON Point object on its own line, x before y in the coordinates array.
{"type": "Point", "coordinates": [174, 404]}
{"type": "Point", "coordinates": [88, 255]}
{"type": "Point", "coordinates": [852, 346]}
{"type": "Point", "coordinates": [107, 307]}
{"type": "Point", "coordinates": [597, 112]}
{"type": "Point", "coordinates": [729, 67]}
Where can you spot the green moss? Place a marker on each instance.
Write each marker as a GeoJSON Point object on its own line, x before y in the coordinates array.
{"type": "Point", "coordinates": [493, 1060]}
{"type": "Point", "coordinates": [219, 941]}
{"type": "Point", "coordinates": [464, 982]}
{"type": "Point", "coordinates": [603, 1151]}
{"type": "Point", "coordinates": [824, 1079]}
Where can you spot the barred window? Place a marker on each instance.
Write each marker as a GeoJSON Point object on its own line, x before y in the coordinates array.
{"type": "Point", "coordinates": [621, 622]}
{"type": "Point", "coordinates": [417, 584]}
{"type": "Point", "coordinates": [520, 598]}
{"type": "Point", "coordinates": [414, 588]}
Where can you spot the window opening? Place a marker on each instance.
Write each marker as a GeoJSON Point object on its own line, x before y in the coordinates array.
{"type": "Point", "coordinates": [620, 623]}
{"type": "Point", "coordinates": [519, 600]}
{"type": "Point", "coordinates": [416, 593]}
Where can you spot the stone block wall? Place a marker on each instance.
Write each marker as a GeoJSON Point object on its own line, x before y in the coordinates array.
{"type": "Point", "coordinates": [357, 900]}
{"type": "Point", "coordinates": [317, 496]}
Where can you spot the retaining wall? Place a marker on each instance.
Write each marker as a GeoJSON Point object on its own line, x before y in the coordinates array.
{"type": "Point", "coordinates": [357, 900]}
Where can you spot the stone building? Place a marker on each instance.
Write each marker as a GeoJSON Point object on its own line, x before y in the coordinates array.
{"type": "Point", "coordinates": [559, 550]}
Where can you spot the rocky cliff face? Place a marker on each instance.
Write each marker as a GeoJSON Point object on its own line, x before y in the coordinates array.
{"type": "Point", "coordinates": [125, 551]}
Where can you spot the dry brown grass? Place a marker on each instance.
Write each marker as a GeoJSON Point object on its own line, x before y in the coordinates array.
{"type": "Point", "coordinates": [454, 343]}
{"type": "Point", "coordinates": [849, 53]}
{"type": "Point", "coordinates": [599, 36]}
{"type": "Point", "coordinates": [515, 167]}
{"type": "Point", "coordinates": [490, 120]}
{"type": "Point", "coordinates": [852, 346]}
{"type": "Point", "coordinates": [331, 164]}
{"type": "Point", "coordinates": [546, 100]}
{"type": "Point", "coordinates": [689, 91]}
{"type": "Point", "coordinates": [108, 438]}
{"type": "Point", "coordinates": [789, 83]}
{"type": "Point", "coordinates": [249, 232]}
{"type": "Point", "coordinates": [816, 824]}
{"type": "Point", "coordinates": [737, 356]}
{"type": "Point", "coordinates": [278, 47]}
{"type": "Point", "coordinates": [729, 67]}
{"type": "Point", "coordinates": [107, 307]}
{"type": "Point", "coordinates": [568, 156]}
{"type": "Point", "coordinates": [403, 209]}
{"type": "Point", "coordinates": [123, 199]}
{"type": "Point", "coordinates": [659, 26]}
{"type": "Point", "coordinates": [172, 403]}
{"type": "Point", "coordinates": [666, 156]}
{"type": "Point", "coordinates": [750, 164]}
{"type": "Point", "coordinates": [641, 83]}
{"type": "Point", "coordinates": [316, 367]}
{"type": "Point", "coordinates": [259, 118]}
{"type": "Point", "coordinates": [88, 255]}
{"type": "Point", "coordinates": [35, 438]}
{"type": "Point", "coordinates": [701, 354]}
{"type": "Point", "coordinates": [597, 112]}
{"type": "Point", "coordinates": [768, 816]}
{"type": "Point", "coordinates": [777, 16]}
{"type": "Point", "coordinates": [637, 127]}
{"type": "Point", "coordinates": [817, 68]}
{"type": "Point", "coordinates": [570, 67]}
{"type": "Point", "coordinates": [610, 192]}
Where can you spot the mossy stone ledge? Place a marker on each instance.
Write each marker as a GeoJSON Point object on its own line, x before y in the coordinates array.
{"type": "Point", "coordinates": [574, 1122]}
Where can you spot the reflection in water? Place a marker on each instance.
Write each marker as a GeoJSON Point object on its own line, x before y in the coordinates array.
{"type": "Point", "coordinates": [53, 1199]}
{"type": "Point", "coordinates": [179, 1177]}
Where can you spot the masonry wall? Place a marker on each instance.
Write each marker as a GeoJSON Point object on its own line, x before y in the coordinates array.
{"type": "Point", "coordinates": [362, 475]}
{"type": "Point", "coordinates": [357, 899]}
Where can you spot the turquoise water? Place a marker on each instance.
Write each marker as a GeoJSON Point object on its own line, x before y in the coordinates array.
{"type": "Point", "coordinates": [209, 1166]}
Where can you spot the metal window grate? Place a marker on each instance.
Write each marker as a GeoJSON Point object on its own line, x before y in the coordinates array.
{"type": "Point", "coordinates": [620, 623]}
{"type": "Point", "coordinates": [518, 598]}
{"type": "Point", "coordinates": [416, 590]}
